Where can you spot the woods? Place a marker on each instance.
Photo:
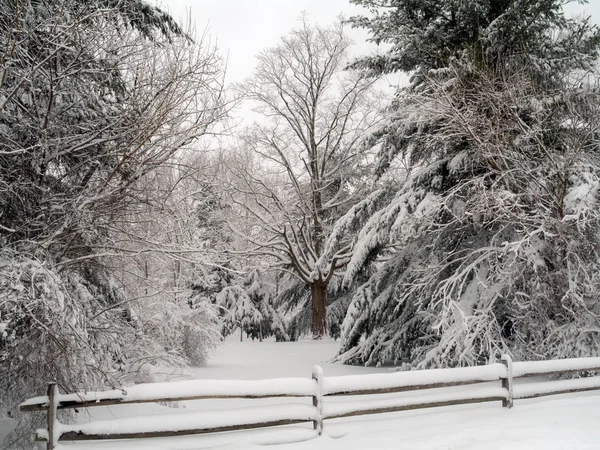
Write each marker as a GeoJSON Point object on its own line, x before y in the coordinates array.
{"type": "Point", "coordinates": [148, 209]}
{"type": "Point", "coordinates": [98, 105]}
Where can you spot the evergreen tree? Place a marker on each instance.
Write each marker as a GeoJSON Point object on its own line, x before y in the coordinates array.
{"type": "Point", "coordinates": [249, 306]}
{"type": "Point", "coordinates": [260, 294]}
{"type": "Point", "coordinates": [491, 245]}
{"type": "Point", "coordinates": [238, 310]}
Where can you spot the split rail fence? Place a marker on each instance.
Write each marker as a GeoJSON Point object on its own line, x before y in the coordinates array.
{"type": "Point", "coordinates": [319, 388]}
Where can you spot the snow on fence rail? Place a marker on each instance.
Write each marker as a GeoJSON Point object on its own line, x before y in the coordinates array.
{"type": "Point", "coordinates": [317, 388]}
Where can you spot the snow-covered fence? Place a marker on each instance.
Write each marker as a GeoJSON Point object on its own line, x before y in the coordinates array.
{"type": "Point", "coordinates": [411, 381]}
{"type": "Point", "coordinates": [556, 367]}
{"type": "Point", "coordinates": [319, 388]}
{"type": "Point", "coordinates": [505, 372]}
{"type": "Point", "coordinates": [181, 423]}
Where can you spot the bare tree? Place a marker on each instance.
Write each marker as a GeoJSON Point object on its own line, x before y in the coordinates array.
{"type": "Point", "coordinates": [311, 119]}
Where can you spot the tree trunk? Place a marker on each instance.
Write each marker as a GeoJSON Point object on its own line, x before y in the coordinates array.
{"type": "Point", "coordinates": [318, 291]}
{"type": "Point", "coordinates": [241, 333]}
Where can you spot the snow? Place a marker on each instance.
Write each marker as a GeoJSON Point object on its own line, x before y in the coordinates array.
{"type": "Point", "coordinates": [491, 372]}
{"type": "Point", "coordinates": [521, 369]}
{"type": "Point", "coordinates": [557, 422]}
{"type": "Point", "coordinates": [550, 387]}
{"type": "Point", "coordinates": [6, 424]}
{"type": "Point", "coordinates": [195, 420]}
{"type": "Point", "coordinates": [194, 388]}
{"type": "Point", "coordinates": [565, 423]}
{"type": "Point", "coordinates": [457, 161]}
{"type": "Point", "coordinates": [580, 199]}
{"type": "Point", "coordinates": [395, 401]}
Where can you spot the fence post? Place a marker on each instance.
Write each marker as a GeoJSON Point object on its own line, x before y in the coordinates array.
{"type": "Point", "coordinates": [52, 406]}
{"type": "Point", "coordinates": [317, 375]}
{"type": "Point", "coordinates": [507, 383]}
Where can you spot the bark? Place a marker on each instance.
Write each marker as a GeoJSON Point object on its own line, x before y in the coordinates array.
{"type": "Point", "coordinates": [318, 291]}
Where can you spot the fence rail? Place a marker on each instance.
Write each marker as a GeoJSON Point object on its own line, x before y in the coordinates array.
{"type": "Point", "coordinates": [318, 387]}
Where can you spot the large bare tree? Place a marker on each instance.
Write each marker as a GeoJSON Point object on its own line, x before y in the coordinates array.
{"type": "Point", "coordinates": [311, 116]}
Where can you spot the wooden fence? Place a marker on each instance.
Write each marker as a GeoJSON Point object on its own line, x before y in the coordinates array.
{"type": "Point", "coordinates": [318, 388]}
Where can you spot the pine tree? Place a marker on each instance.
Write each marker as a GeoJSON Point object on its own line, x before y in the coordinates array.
{"type": "Point", "coordinates": [239, 311]}
{"type": "Point", "coordinates": [249, 306]}
{"type": "Point", "coordinates": [491, 245]}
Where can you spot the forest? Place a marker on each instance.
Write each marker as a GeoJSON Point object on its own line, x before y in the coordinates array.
{"type": "Point", "coordinates": [441, 223]}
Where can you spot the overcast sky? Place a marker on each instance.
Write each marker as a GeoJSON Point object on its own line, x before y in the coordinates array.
{"type": "Point", "coordinates": [243, 28]}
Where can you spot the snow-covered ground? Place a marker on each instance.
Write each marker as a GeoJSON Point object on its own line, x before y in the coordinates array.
{"type": "Point", "coordinates": [558, 422]}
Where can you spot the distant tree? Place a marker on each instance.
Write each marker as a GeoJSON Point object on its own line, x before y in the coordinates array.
{"type": "Point", "coordinates": [238, 310]}
{"type": "Point", "coordinates": [211, 236]}
{"type": "Point", "coordinates": [491, 244]}
{"type": "Point", "coordinates": [249, 305]}
{"type": "Point", "coordinates": [171, 283]}
{"type": "Point", "coordinates": [312, 117]}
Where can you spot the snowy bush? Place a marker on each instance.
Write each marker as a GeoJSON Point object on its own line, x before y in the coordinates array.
{"type": "Point", "coordinates": [187, 334]}
{"type": "Point", "coordinates": [82, 333]}
{"type": "Point", "coordinates": [59, 326]}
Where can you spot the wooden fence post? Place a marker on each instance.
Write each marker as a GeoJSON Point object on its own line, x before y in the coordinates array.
{"type": "Point", "coordinates": [52, 407]}
{"type": "Point", "coordinates": [317, 375]}
{"type": "Point", "coordinates": [507, 383]}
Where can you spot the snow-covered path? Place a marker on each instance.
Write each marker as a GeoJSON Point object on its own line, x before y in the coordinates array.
{"type": "Point", "coordinates": [559, 422]}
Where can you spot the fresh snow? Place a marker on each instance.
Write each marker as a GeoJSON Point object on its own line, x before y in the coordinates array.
{"type": "Point", "coordinates": [557, 422]}
{"type": "Point", "coordinates": [334, 385]}
{"type": "Point", "coordinates": [537, 367]}
{"type": "Point", "coordinates": [550, 387]}
{"type": "Point", "coordinates": [338, 409]}
{"type": "Point", "coordinates": [195, 420]}
{"type": "Point", "coordinates": [568, 422]}
{"type": "Point", "coordinates": [193, 388]}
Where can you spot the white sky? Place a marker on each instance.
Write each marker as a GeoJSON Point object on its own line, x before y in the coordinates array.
{"type": "Point", "coordinates": [242, 28]}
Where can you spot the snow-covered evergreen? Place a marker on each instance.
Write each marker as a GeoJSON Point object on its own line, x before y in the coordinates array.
{"type": "Point", "coordinates": [249, 307]}
{"type": "Point", "coordinates": [491, 245]}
